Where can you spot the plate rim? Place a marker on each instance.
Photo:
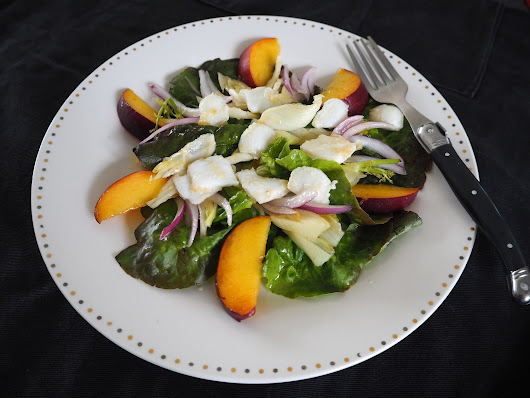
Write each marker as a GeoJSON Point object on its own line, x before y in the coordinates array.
{"type": "Point", "coordinates": [227, 376]}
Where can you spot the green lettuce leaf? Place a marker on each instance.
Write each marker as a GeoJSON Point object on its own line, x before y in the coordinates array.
{"type": "Point", "coordinates": [403, 221]}
{"type": "Point", "coordinates": [342, 194]}
{"type": "Point", "coordinates": [170, 141]}
{"type": "Point", "coordinates": [268, 166]}
{"type": "Point", "coordinates": [290, 273]}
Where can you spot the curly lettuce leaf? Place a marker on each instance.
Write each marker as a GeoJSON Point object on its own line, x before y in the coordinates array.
{"type": "Point", "coordinates": [290, 273]}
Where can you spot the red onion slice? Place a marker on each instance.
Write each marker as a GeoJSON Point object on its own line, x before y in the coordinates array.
{"type": "Point", "coordinates": [192, 218]}
{"type": "Point", "coordinates": [287, 83]}
{"type": "Point", "coordinates": [163, 94]}
{"type": "Point", "coordinates": [160, 91]}
{"type": "Point", "coordinates": [285, 79]}
{"type": "Point", "coordinates": [298, 87]}
{"type": "Point", "coordinates": [225, 204]}
{"type": "Point", "coordinates": [278, 209]}
{"type": "Point", "coordinates": [319, 208]}
{"type": "Point", "coordinates": [343, 126]}
{"type": "Point", "coordinates": [176, 221]}
{"type": "Point", "coordinates": [211, 84]}
{"type": "Point", "coordinates": [359, 128]}
{"type": "Point", "coordinates": [378, 146]}
{"type": "Point", "coordinates": [208, 87]}
{"type": "Point", "coordinates": [186, 120]}
{"type": "Point", "coordinates": [295, 200]}
{"type": "Point", "coordinates": [309, 78]}
{"type": "Point", "coordinates": [396, 168]}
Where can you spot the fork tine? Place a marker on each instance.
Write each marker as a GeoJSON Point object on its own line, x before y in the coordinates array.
{"type": "Point", "coordinates": [376, 64]}
{"type": "Point", "coordinates": [359, 70]}
{"type": "Point", "coordinates": [369, 70]}
{"type": "Point", "coordinates": [379, 54]}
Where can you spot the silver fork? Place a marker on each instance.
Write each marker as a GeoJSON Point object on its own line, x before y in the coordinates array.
{"type": "Point", "coordinates": [385, 85]}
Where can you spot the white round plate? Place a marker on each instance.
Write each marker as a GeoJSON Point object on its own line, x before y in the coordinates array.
{"type": "Point", "coordinates": [85, 149]}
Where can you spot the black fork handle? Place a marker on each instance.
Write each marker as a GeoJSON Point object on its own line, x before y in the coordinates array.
{"type": "Point", "coordinates": [484, 212]}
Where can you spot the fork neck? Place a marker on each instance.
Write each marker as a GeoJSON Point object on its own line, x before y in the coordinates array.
{"type": "Point", "coordinates": [430, 134]}
{"type": "Point", "coordinates": [415, 118]}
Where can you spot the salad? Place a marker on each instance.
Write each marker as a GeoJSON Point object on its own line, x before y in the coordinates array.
{"type": "Point", "coordinates": [259, 177]}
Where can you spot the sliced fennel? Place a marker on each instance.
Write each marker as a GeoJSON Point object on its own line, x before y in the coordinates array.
{"type": "Point", "coordinates": [168, 191]}
{"type": "Point", "coordinates": [276, 74]}
{"type": "Point", "coordinates": [317, 235]}
{"type": "Point", "coordinates": [334, 233]}
{"type": "Point", "coordinates": [237, 113]}
{"type": "Point", "coordinates": [305, 223]}
{"type": "Point", "coordinates": [238, 157]}
{"type": "Point", "coordinates": [313, 248]}
{"type": "Point", "coordinates": [207, 213]}
{"type": "Point", "coordinates": [291, 116]}
{"type": "Point", "coordinates": [293, 139]}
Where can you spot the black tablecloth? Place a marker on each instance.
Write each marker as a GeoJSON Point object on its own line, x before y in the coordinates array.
{"type": "Point", "coordinates": [477, 53]}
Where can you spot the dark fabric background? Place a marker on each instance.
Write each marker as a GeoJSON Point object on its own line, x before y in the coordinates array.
{"type": "Point", "coordinates": [476, 52]}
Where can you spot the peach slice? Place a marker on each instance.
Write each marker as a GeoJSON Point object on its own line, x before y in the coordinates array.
{"type": "Point", "coordinates": [381, 199]}
{"type": "Point", "coordinates": [347, 86]}
{"type": "Point", "coordinates": [239, 269]}
{"type": "Point", "coordinates": [256, 64]}
{"type": "Point", "coordinates": [129, 193]}
{"type": "Point", "coordinates": [136, 115]}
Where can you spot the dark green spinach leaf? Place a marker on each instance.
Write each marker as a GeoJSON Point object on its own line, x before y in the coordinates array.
{"type": "Point", "coordinates": [180, 87]}
{"type": "Point", "coordinates": [180, 84]}
{"type": "Point", "coordinates": [169, 263]}
{"type": "Point", "coordinates": [227, 67]}
{"type": "Point", "coordinates": [417, 160]}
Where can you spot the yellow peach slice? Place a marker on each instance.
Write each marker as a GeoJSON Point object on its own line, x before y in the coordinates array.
{"type": "Point", "coordinates": [347, 86]}
{"type": "Point", "coordinates": [136, 115]}
{"type": "Point", "coordinates": [239, 269]}
{"type": "Point", "coordinates": [129, 193]}
{"type": "Point", "coordinates": [382, 199]}
{"type": "Point", "coordinates": [256, 64]}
